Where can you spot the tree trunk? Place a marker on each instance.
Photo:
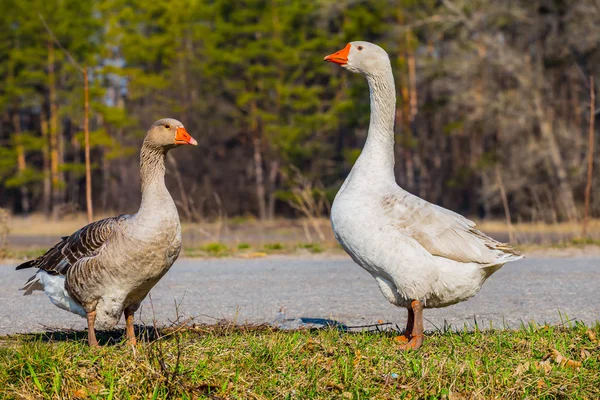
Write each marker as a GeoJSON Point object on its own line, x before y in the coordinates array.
{"type": "Point", "coordinates": [565, 191]}
{"type": "Point", "coordinates": [21, 162]}
{"type": "Point", "coordinates": [412, 77]}
{"type": "Point", "coordinates": [273, 173]}
{"type": "Point", "coordinates": [509, 226]}
{"type": "Point", "coordinates": [590, 166]}
{"type": "Point", "coordinates": [86, 132]}
{"type": "Point", "coordinates": [106, 189]}
{"type": "Point", "coordinates": [73, 187]}
{"type": "Point", "coordinates": [47, 184]}
{"type": "Point", "coordinates": [53, 135]}
{"type": "Point", "coordinates": [260, 184]}
{"type": "Point", "coordinates": [406, 113]}
{"type": "Point", "coordinates": [545, 118]}
{"type": "Point", "coordinates": [258, 161]}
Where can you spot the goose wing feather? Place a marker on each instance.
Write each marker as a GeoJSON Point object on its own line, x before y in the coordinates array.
{"type": "Point", "coordinates": [86, 242]}
{"type": "Point", "coordinates": [445, 233]}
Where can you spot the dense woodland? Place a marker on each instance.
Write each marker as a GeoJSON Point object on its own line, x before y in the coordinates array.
{"type": "Point", "coordinates": [492, 96]}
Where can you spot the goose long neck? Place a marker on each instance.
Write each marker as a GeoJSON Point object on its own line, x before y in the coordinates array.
{"type": "Point", "coordinates": [152, 174]}
{"type": "Point", "coordinates": [378, 153]}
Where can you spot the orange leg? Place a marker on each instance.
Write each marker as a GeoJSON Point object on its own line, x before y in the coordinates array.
{"type": "Point", "coordinates": [129, 327]}
{"type": "Point", "coordinates": [416, 337]}
{"type": "Point", "coordinates": [91, 318]}
{"type": "Point", "coordinates": [409, 328]}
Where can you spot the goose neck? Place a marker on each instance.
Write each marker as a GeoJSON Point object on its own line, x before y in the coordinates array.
{"type": "Point", "coordinates": [152, 175]}
{"type": "Point", "coordinates": [378, 152]}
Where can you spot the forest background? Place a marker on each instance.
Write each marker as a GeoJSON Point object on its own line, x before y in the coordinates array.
{"type": "Point", "coordinates": [493, 111]}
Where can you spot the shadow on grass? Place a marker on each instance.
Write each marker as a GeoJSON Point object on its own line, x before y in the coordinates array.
{"type": "Point", "coordinates": [149, 334]}
{"type": "Point", "coordinates": [105, 338]}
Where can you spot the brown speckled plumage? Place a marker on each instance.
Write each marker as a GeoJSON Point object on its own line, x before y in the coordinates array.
{"type": "Point", "coordinates": [86, 242]}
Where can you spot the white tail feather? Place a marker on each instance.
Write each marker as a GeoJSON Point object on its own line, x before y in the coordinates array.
{"type": "Point", "coordinates": [31, 285]}
{"type": "Point", "coordinates": [54, 287]}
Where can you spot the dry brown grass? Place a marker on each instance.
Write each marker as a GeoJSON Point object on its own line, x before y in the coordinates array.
{"type": "Point", "coordinates": [38, 225]}
{"type": "Point", "coordinates": [4, 231]}
{"type": "Point", "coordinates": [223, 237]}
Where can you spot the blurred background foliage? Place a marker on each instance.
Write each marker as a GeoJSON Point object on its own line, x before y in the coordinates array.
{"type": "Point", "coordinates": [491, 94]}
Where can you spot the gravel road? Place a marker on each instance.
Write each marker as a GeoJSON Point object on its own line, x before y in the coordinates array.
{"type": "Point", "coordinates": [535, 289]}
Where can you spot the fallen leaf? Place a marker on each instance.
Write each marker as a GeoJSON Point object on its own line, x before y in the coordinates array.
{"type": "Point", "coordinates": [401, 339]}
{"type": "Point", "coordinates": [380, 321]}
{"type": "Point", "coordinates": [545, 366]}
{"type": "Point", "coordinates": [80, 393]}
{"type": "Point", "coordinates": [356, 357]}
{"type": "Point", "coordinates": [541, 384]}
{"type": "Point", "coordinates": [456, 396]}
{"type": "Point", "coordinates": [585, 354]}
{"type": "Point", "coordinates": [521, 368]}
{"type": "Point", "coordinates": [564, 361]}
{"type": "Point", "coordinates": [336, 386]}
{"type": "Point", "coordinates": [592, 335]}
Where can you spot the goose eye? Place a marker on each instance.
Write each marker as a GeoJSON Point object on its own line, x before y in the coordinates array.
{"type": "Point", "coordinates": [359, 48]}
{"type": "Point", "coordinates": [168, 126]}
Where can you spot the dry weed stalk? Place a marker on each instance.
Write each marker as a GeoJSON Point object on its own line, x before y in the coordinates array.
{"type": "Point", "coordinates": [4, 230]}
{"type": "Point", "coordinates": [310, 200]}
{"type": "Point", "coordinates": [215, 230]}
{"type": "Point", "coordinates": [184, 203]}
{"type": "Point", "coordinates": [509, 225]}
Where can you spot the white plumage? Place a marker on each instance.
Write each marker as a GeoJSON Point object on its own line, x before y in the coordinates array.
{"type": "Point", "coordinates": [54, 287]}
{"type": "Point", "coordinates": [420, 254]}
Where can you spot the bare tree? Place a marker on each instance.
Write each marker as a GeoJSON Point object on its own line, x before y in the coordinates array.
{"type": "Point", "coordinates": [590, 164]}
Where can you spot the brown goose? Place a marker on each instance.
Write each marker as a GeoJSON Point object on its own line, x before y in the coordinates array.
{"type": "Point", "coordinates": [108, 267]}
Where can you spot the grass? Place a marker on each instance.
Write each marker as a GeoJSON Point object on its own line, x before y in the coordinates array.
{"type": "Point", "coordinates": [233, 362]}
{"type": "Point", "coordinates": [274, 247]}
{"type": "Point", "coordinates": [243, 246]}
{"type": "Point", "coordinates": [247, 237]}
{"type": "Point", "coordinates": [312, 247]}
{"type": "Point", "coordinates": [244, 250]}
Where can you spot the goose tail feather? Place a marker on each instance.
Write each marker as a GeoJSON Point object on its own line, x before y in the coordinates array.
{"type": "Point", "coordinates": [32, 284]}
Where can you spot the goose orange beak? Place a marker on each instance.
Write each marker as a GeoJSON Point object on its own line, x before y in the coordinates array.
{"type": "Point", "coordinates": [339, 57]}
{"type": "Point", "coordinates": [182, 137]}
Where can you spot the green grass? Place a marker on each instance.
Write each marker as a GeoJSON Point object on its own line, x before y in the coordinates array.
{"type": "Point", "coordinates": [23, 254]}
{"type": "Point", "coordinates": [312, 247]}
{"type": "Point", "coordinates": [243, 246]}
{"type": "Point", "coordinates": [219, 249]}
{"type": "Point", "coordinates": [225, 362]}
{"type": "Point", "coordinates": [273, 247]}
{"type": "Point", "coordinates": [578, 241]}
{"type": "Point", "coordinates": [215, 249]}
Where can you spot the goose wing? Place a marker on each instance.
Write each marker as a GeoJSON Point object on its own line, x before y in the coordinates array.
{"type": "Point", "coordinates": [445, 233]}
{"type": "Point", "coordinates": [86, 242]}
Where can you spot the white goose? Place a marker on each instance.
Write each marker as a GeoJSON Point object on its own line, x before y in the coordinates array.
{"type": "Point", "coordinates": [420, 254]}
{"type": "Point", "coordinates": [107, 268]}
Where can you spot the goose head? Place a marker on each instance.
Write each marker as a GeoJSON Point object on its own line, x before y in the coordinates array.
{"type": "Point", "coordinates": [364, 58]}
{"type": "Point", "coordinates": [167, 133]}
